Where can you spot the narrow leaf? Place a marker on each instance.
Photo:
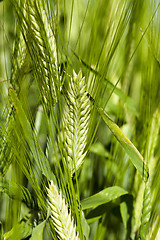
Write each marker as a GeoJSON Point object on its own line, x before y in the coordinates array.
{"type": "Point", "coordinates": [37, 152]}
{"type": "Point", "coordinates": [124, 213]}
{"type": "Point", "coordinates": [103, 197]}
{"type": "Point", "coordinates": [86, 227]}
{"type": "Point", "coordinates": [130, 149]}
{"type": "Point", "coordinates": [1, 230]}
{"type": "Point", "coordinates": [38, 231]}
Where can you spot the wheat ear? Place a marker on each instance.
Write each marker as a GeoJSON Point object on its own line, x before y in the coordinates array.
{"type": "Point", "coordinates": [19, 52]}
{"type": "Point", "coordinates": [76, 119]}
{"type": "Point", "coordinates": [60, 214]}
{"type": "Point", "coordinates": [45, 44]}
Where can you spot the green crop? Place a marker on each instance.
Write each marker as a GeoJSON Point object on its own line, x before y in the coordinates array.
{"type": "Point", "coordinates": [79, 119]}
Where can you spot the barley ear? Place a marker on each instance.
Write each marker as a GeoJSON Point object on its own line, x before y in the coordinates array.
{"type": "Point", "coordinates": [18, 52]}
{"type": "Point", "coordinates": [75, 122]}
{"type": "Point", "coordinates": [146, 211]}
{"type": "Point", "coordinates": [42, 33]}
{"type": "Point", "coordinates": [60, 214]}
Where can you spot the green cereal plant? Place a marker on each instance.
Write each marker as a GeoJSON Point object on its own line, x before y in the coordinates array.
{"type": "Point", "coordinates": [60, 214]}
{"type": "Point", "coordinates": [76, 122]}
{"type": "Point", "coordinates": [79, 119]}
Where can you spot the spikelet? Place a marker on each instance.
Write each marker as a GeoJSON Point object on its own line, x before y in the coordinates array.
{"type": "Point", "coordinates": [146, 211]}
{"type": "Point", "coordinates": [45, 44]}
{"type": "Point", "coordinates": [62, 220]}
{"type": "Point", "coordinates": [76, 119]}
{"type": "Point", "coordinates": [50, 37]}
{"type": "Point", "coordinates": [19, 53]}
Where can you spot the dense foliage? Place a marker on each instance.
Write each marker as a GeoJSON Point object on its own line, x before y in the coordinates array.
{"type": "Point", "coordinates": [79, 119]}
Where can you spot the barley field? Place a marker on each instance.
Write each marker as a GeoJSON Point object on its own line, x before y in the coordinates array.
{"type": "Point", "coordinates": [79, 120]}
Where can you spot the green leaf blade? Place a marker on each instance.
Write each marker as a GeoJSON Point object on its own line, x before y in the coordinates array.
{"type": "Point", "coordinates": [38, 231]}
{"type": "Point", "coordinates": [135, 156]}
{"type": "Point", "coordinates": [19, 231]}
{"type": "Point", "coordinates": [103, 197]}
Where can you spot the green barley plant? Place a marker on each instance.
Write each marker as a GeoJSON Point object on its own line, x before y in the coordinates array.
{"type": "Point", "coordinates": [59, 213]}
{"type": "Point", "coordinates": [79, 119]}
{"type": "Point", "coordinates": [76, 121]}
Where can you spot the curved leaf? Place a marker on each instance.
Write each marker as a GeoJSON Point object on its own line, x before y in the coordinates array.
{"type": "Point", "coordinates": [103, 197]}
{"type": "Point", "coordinates": [38, 231]}
{"type": "Point", "coordinates": [128, 146]}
